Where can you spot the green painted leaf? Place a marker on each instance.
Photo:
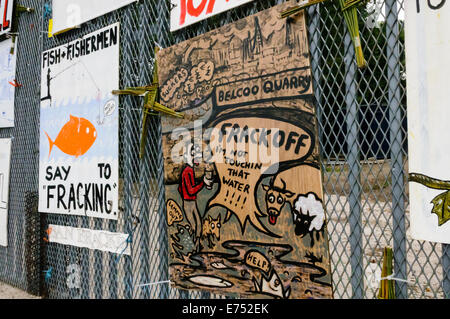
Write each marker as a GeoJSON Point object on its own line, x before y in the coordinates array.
{"type": "Point", "coordinates": [442, 207]}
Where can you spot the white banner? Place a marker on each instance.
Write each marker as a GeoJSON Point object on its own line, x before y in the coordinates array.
{"type": "Point", "coordinates": [5, 158]}
{"type": "Point", "coordinates": [7, 77]}
{"type": "Point", "coordinates": [79, 133]}
{"type": "Point", "coordinates": [188, 12]}
{"type": "Point", "coordinates": [87, 238]}
{"type": "Point", "coordinates": [428, 68]}
{"type": "Point", "coordinates": [6, 16]}
{"type": "Point", "coordinates": [71, 13]}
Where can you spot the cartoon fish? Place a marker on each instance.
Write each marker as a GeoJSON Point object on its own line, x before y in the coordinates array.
{"type": "Point", "coordinates": [75, 138]}
{"type": "Point", "coordinates": [272, 287]}
{"type": "Point", "coordinates": [210, 281]}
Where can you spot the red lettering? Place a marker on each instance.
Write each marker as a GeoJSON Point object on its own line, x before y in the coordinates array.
{"type": "Point", "coordinates": [195, 12]}
{"type": "Point", "coordinates": [189, 8]}
{"type": "Point", "coordinates": [0, 7]}
{"type": "Point", "coordinates": [5, 22]}
{"type": "Point", "coordinates": [211, 6]}
{"type": "Point", "coordinates": [182, 12]}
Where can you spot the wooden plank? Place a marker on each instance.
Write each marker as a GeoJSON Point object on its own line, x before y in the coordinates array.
{"type": "Point", "coordinates": [243, 183]}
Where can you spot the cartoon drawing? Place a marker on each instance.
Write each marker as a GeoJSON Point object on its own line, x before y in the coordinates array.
{"type": "Point", "coordinates": [75, 138]}
{"type": "Point", "coordinates": [313, 259]}
{"type": "Point", "coordinates": [106, 111]}
{"type": "Point", "coordinates": [442, 201]}
{"type": "Point", "coordinates": [183, 242]}
{"type": "Point", "coordinates": [248, 85]}
{"type": "Point", "coordinates": [276, 198]}
{"type": "Point", "coordinates": [189, 190]}
{"type": "Point", "coordinates": [211, 229]}
{"type": "Point", "coordinates": [307, 209]}
{"type": "Point", "coordinates": [244, 267]}
{"type": "Point", "coordinates": [309, 216]}
{"type": "Point", "coordinates": [49, 79]}
{"type": "Point", "coordinates": [210, 281]}
{"type": "Point", "coordinates": [272, 286]}
{"type": "Point", "coordinates": [73, 85]}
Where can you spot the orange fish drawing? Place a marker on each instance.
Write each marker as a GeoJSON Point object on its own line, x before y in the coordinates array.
{"type": "Point", "coordinates": [75, 138]}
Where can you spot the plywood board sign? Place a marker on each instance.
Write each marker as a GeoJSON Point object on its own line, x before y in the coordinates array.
{"type": "Point", "coordinates": [5, 158]}
{"type": "Point", "coordinates": [427, 69]}
{"type": "Point", "coordinates": [79, 132]}
{"type": "Point", "coordinates": [187, 12]}
{"type": "Point", "coordinates": [71, 13]}
{"type": "Point", "coordinates": [244, 194]}
{"type": "Point", "coordinates": [7, 76]}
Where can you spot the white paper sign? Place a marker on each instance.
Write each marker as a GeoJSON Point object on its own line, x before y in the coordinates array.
{"type": "Point", "coordinates": [6, 15]}
{"type": "Point", "coordinates": [5, 158]}
{"type": "Point", "coordinates": [7, 76]}
{"type": "Point", "coordinates": [428, 69]}
{"type": "Point", "coordinates": [87, 238]}
{"type": "Point", "coordinates": [188, 12]}
{"type": "Point", "coordinates": [71, 13]}
{"type": "Point", "coordinates": [79, 132]}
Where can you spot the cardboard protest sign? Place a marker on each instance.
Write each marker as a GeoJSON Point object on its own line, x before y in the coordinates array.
{"type": "Point", "coordinates": [7, 77]}
{"type": "Point", "coordinates": [428, 66]}
{"type": "Point", "coordinates": [244, 194]}
{"type": "Point", "coordinates": [5, 161]}
{"type": "Point", "coordinates": [79, 133]}
{"type": "Point", "coordinates": [68, 14]}
{"type": "Point", "coordinates": [187, 12]}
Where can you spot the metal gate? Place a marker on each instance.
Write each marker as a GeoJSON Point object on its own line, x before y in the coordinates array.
{"type": "Point", "coordinates": [362, 116]}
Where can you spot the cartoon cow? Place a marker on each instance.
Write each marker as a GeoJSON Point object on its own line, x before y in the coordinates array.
{"type": "Point", "coordinates": [299, 187]}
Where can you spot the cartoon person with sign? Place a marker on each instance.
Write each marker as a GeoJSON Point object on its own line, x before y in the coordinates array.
{"type": "Point", "coordinates": [189, 189]}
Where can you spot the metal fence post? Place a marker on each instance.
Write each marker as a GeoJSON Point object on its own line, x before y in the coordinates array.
{"type": "Point", "coordinates": [143, 273]}
{"type": "Point", "coordinates": [128, 39]}
{"type": "Point", "coordinates": [314, 36]}
{"type": "Point", "coordinates": [353, 159]}
{"type": "Point", "coordinates": [162, 31]}
{"type": "Point", "coordinates": [446, 270]}
{"type": "Point", "coordinates": [395, 123]}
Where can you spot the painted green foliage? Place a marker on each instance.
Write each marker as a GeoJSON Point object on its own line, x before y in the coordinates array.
{"type": "Point", "coordinates": [442, 207]}
{"type": "Point", "coordinates": [442, 201]}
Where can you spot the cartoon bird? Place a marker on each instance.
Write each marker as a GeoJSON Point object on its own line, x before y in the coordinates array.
{"type": "Point", "coordinates": [75, 138]}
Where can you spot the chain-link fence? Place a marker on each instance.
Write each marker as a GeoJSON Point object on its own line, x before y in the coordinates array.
{"type": "Point", "coordinates": [362, 116]}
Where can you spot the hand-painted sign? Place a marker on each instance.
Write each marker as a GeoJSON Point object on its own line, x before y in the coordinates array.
{"type": "Point", "coordinates": [78, 172]}
{"type": "Point", "coordinates": [244, 193]}
{"type": "Point", "coordinates": [428, 66]}
{"type": "Point", "coordinates": [6, 16]}
{"type": "Point", "coordinates": [188, 12]}
{"type": "Point", "coordinates": [5, 157]}
{"type": "Point", "coordinates": [68, 14]}
{"type": "Point", "coordinates": [7, 84]}
{"type": "Point", "coordinates": [88, 238]}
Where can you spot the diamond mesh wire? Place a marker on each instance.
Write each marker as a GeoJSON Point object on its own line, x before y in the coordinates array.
{"type": "Point", "coordinates": [19, 262]}
{"type": "Point", "coordinates": [361, 116]}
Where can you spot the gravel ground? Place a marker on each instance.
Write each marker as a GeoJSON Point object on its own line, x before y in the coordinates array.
{"type": "Point", "coordinates": [8, 292]}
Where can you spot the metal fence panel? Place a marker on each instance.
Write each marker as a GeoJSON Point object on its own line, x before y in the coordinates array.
{"type": "Point", "coordinates": [19, 262]}
{"type": "Point", "coordinates": [361, 115]}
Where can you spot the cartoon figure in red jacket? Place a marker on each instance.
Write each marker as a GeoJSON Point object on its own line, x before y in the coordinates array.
{"type": "Point", "coordinates": [189, 189]}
